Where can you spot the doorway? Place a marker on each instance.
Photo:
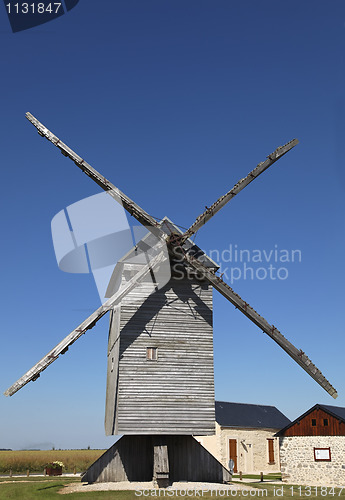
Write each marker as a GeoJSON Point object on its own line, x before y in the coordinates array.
{"type": "Point", "coordinates": [248, 457]}
{"type": "Point", "coordinates": [233, 452]}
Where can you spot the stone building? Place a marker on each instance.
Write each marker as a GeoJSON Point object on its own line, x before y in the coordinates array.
{"type": "Point", "coordinates": [245, 433]}
{"type": "Point", "coordinates": [312, 447]}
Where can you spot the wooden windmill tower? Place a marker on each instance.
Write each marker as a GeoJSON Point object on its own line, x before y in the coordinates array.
{"type": "Point", "coordinates": [160, 385]}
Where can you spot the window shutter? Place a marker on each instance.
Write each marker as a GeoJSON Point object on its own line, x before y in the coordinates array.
{"type": "Point", "coordinates": [270, 451]}
{"type": "Point", "coordinates": [151, 353]}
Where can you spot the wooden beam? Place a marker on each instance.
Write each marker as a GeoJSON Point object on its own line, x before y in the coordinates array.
{"type": "Point", "coordinates": [137, 212]}
{"type": "Point", "coordinates": [296, 354]}
{"type": "Point", "coordinates": [223, 200]}
{"type": "Point", "coordinates": [160, 461]}
{"type": "Point", "coordinates": [89, 323]}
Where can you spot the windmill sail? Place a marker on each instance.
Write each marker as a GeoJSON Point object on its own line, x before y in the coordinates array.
{"type": "Point", "coordinates": [89, 323]}
{"type": "Point", "coordinates": [223, 200]}
{"type": "Point", "coordinates": [296, 354]}
{"type": "Point", "coordinates": [137, 212]}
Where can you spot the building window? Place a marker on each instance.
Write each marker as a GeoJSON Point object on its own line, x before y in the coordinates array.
{"type": "Point", "coordinates": [313, 422]}
{"type": "Point", "coordinates": [325, 422]}
{"type": "Point", "coordinates": [151, 353]}
{"type": "Point", "coordinates": [270, 443]}
{"type": "Point", "coordinates": [322, 454]}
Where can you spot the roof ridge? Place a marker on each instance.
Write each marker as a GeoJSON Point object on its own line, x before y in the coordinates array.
{"type": "Point", "coordinates": [247, 404]}
{"type": "Point", "coordinates": [331, 406]}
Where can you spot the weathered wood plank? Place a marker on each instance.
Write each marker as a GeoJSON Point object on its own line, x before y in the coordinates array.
{"type": "Point", "coordinates": [175, 393]}
{"type": "Point", "coordinates": [241, 184]}
{"type": "Point", "coordinates": [296, 354]}
{"type": "Point", "coordinates": [112, 372]}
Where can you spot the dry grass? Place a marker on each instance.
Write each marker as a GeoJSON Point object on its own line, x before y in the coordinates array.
{"type": "Point", "coordinates": [34, 461]}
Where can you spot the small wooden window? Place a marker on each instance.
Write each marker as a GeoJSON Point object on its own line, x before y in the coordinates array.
{"type": "Point", "coordinates": [325, 422]}
{"type": "Point", "coordinates": [270, 443]}
{"type": "Point", "coordinates": [151, 353]}
{"type": "Point", "coordinates": [313, 422]}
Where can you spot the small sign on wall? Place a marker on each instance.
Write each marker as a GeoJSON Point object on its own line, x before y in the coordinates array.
{"type": "Point", "coordinates": [322, 454]}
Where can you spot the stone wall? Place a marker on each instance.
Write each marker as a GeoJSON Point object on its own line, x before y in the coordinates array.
{"type": "Point", "coordinates": [298, 465]}
{"type": "Point", "coordinates": [252, 448]}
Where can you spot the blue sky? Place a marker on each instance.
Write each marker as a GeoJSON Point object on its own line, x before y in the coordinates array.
{"type": "Point", "coordinates": [174, 102]}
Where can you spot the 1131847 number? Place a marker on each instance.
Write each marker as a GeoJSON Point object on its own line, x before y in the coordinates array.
{"type": "Point", "coordinates": [33, 8]}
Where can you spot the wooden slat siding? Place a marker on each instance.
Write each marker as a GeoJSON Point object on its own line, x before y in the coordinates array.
{"type": "Point", "coordinates": [175, 394]}
{"type": "Point", "coordinates": [131, 459]}
{"type": "Point", "coordinates": [190, 461]}
{"type": "Point", "coordinates": [112, 372]}
{"type": "Point", "coordinates": [304, 428]}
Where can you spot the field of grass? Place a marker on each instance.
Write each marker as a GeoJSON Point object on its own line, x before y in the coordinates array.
{"type": "Point", "coordinates": [34, 461]}
{"type": "Point", "coordinates": [272, 476]}
{"type": "Point", "coordinates": [49, 488]}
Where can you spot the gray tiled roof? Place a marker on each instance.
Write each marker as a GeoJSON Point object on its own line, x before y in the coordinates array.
{"type": "Point", "coordinates": [248, 415]}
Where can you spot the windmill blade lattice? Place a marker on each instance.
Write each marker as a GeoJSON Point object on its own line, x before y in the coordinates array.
{"type": "Point", "coordinates": [62, 347]}
{"type": "Point", "coordinates": [296, 354]}
{"type": "Point", "coordinates": [137, 212]}
{"type": "Point", "coordinates": [223, 200]}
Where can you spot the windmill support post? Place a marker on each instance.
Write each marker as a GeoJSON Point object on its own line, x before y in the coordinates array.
{"type": "Point", "coordinates": [163, 459]}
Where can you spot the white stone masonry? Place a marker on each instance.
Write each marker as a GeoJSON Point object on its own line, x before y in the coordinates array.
{"type": "Point", "coordinates": [298, 464]}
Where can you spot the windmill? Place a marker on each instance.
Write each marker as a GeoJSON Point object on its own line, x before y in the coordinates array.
{"type": "Point", "coordinates": [160, 385]}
